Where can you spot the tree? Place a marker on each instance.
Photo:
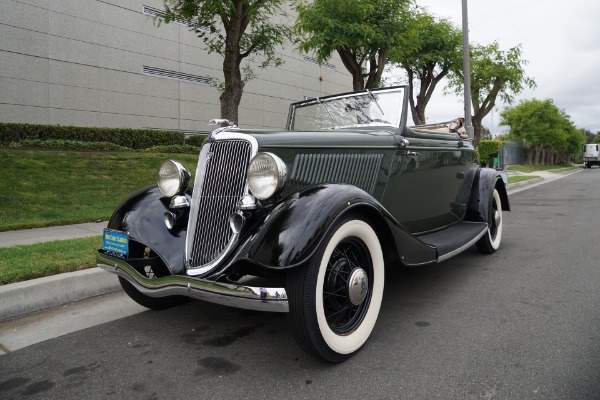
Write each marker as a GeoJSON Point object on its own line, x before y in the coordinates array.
{"type": "Point", "coordinates": [547, 131]}
{"type": "Point", "coordinates": [237, 30]}
{"type": "Point", "coordinates": [486, 134]}
{"type": "Point", "coordinates": [494, 73]}
{"type": "Point", "coordinates": [435, 50]}
{"type": "Point", "coordinates": [359, 31]}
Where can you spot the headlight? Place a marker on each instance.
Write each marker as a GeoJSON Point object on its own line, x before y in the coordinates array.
{"type": "Point", "coordinates": [266, 175]}
{"type": "Point", "coordinates": [172, 178]}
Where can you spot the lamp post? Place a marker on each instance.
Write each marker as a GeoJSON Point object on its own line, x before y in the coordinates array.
{"type": "Point", "coordinates": [467, 71]}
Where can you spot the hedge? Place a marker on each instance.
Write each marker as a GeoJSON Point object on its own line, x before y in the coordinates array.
{"type": "Point", "coordinates": [487, 149]}
{"type": "Point", "coordinates": [195, 140]}
{"type": "Point", "coordinates": [132, 138]}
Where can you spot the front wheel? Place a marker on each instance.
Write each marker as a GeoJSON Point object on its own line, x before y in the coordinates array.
{"type": "Point", "coordinates": [335, 299]}
{"type": "Point", "coordinates": [490, 242]}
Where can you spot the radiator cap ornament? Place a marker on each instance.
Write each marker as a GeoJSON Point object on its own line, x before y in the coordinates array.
{"type": "Point", "coordinates": [224, 124]}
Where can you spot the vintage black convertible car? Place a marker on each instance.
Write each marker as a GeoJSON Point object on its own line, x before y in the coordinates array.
{"type": "Point", "coordinates": [304, 220]}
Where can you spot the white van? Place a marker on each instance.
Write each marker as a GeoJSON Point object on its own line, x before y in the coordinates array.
{"type": "Point", "coordinates": [590, 155]}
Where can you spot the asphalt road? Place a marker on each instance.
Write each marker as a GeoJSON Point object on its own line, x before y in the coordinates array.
{"type": "Point", "coordinates": [523, 323]}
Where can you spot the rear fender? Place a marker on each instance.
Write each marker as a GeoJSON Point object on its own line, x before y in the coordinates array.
{"type": "Point", "coordinates": [487, 180]}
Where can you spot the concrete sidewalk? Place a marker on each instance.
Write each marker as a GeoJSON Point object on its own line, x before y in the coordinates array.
{"type": "Point", "coordinates": [27, 297]}
{"type": "Point", "coordinates": [39, 235]}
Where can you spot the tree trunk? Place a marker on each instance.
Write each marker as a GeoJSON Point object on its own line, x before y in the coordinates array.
{"type": "Point", "coordinates": [538, 154]}
{"type": "Point", "coordinates": [530, 154]}
{"type": "Point", "coordinates": [477, 130]}
{"type": "Point", "coordinates": [354, 67]}
{"type": "Point", "coordinates": [232, 59]}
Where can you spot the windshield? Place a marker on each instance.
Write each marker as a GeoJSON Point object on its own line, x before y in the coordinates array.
{"type": "Point", "coordinates": [380, 107]}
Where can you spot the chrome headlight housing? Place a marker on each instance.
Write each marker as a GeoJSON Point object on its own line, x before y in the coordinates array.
{"type": "Point", "coordinates": [266, 175]}
{"type": "Point", "coordinates": [172, 178]}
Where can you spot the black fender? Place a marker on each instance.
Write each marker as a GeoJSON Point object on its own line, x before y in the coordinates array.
{"type": "Point", "coordinates": [295, 228]}
{"type": "Point", "coordinates": [141, 215]}
{"type": "Point", "coordinates": [486, 181]}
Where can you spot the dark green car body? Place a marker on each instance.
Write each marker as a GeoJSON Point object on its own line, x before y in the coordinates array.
{"type": "Point", "coordinates": [420, 189]}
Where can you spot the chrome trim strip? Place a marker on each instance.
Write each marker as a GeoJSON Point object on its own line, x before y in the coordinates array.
{"type": "Point", "coordinates": [463, 247]}
{"type": "Point", "coordinates": [240, 296]}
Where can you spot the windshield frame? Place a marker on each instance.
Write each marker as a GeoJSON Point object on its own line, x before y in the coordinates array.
{"type": "Point", "coordinates": [401, 90]}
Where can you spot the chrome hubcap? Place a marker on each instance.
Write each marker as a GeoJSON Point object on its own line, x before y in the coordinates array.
{"type": "Point", "coordinates": [358, 286]}
{"type": "Point", "coordinates": [497, 218]}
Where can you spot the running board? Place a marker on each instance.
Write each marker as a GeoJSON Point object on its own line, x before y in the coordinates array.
{"type": "Point", "coordinates": [456, 239]}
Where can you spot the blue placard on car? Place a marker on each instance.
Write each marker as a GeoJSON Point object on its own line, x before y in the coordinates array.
{"type": "Point", "coordinates": [116, 242]}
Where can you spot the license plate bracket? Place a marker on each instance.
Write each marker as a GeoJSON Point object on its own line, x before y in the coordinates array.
{"type": "Point", "coordinates": [115, 242]}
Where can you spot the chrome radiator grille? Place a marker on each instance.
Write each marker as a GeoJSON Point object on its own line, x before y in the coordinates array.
{"type": "Point", "coordinates": [219, 184]}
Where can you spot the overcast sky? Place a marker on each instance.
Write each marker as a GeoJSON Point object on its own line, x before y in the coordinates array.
{"type": "Point", "coordinates": [560, 40]}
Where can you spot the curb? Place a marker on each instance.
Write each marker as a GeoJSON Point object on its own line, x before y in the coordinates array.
{"type": "Point", "coordinates": [22, 298]}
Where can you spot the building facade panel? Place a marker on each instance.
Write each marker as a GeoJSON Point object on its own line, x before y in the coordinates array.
{"type": "Point", "coordinates": [24, 114]}
{"type": "Point", "coordinates": [73, 98]}
{"type": "Point", "coordinates": [61, 116]}
{"type": "Point", "coordinates": [23, 41]}
{"type": "Point", "coordinates": [71, 74]}
{"type": "Point", "coordinates": [22, 66]}
{"type": "Point", "coordinates": [108, 63]}
{"type": "Point", "coordinates": [23, 15]}
{"type": "Point", "coordinates": [23, 92]}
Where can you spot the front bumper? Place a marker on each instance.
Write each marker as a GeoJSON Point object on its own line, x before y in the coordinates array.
{"type": "Point", "coordinates": [234, 295]}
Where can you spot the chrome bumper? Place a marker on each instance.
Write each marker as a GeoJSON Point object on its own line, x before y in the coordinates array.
{"type": "Point", "coordinates": [240, 296]}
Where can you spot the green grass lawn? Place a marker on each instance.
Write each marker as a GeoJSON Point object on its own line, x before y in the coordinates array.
{"type": "Point", "coordinates": [48, 188]}
{"type": "Point", "coordinates": [21, 263]}
{"type": "Point", "coordinates": [533, 168]}
{"type": "Point", "coordinates": [515, 179]}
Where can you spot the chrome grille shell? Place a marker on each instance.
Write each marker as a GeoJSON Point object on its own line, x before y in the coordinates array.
{"type": "Point", "coordinates": [219, 183]}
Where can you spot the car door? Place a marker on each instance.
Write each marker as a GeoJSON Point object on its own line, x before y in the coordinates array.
{"type": "Point", "coordinates": [430, 181]}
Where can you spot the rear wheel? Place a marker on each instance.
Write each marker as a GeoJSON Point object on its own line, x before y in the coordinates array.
{"type": "Point", "coordinates": [335, 298]}
{"type": "Point", "coordinates": [588, 165]}
{"type": "Point", "coordinates": [490, 242]}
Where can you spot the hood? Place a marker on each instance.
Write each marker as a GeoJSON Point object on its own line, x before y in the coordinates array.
{"type": "Point", "coordinates": [355, 137]}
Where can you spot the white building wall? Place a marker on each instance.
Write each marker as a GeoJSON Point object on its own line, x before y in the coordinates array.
{"type": "Point", "coordinates": [80, 62]}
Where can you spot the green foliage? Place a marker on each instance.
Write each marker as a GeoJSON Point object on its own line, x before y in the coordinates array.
{"type": "Point", "coordinates": [434, 50]}
{"type": "Point", "coordinates": [196, 140]}
{"type": "Point", "coordinates": [486, 149]}
{"type": "Point", "coordinates": [237, 30]}
{"type": "Point", "coordinates": [246, 25]}
{"type": "Point", "coordinates": [59, 144]}
{"type": "Point", "coordinates": [131, 138]}
{"type": "Point", "coordinates": [359, 31]}
{"type": "Point", "coordinates": [596, 138]}
{"type": "Point", "coordinates": [539, 125]}
{"type": "Point", "coordinates": [174, 149]}
{"type": "Point", "coordinates": [494, 73]}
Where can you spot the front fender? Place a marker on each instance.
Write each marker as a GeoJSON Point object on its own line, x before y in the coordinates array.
{"type": "Point", "coordinates": [141, 215]}
{"type": "Point", "coordinates": [293, 231]}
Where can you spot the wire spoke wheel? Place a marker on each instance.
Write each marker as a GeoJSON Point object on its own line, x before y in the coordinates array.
{"type": "Point", "coordinates": [340, 293]}
{"type": "Point", "coordinates": [335, 299]}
